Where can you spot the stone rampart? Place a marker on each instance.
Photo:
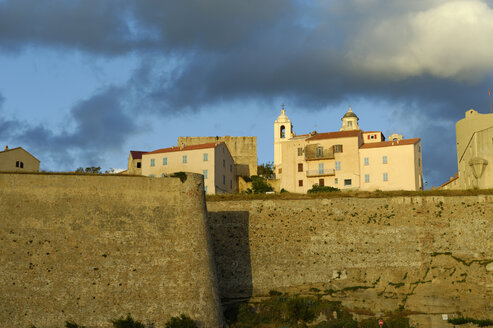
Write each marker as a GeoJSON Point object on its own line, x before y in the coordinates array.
{"type": "Point", "coordinates": [429, 255]}
{"type": "Point", "coordinates": [90, 249]}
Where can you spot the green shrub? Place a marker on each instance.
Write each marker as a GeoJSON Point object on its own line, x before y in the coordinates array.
{"type": "Point", "coordinates": [462, 321]}
{"type": "Point", "coordinates": [300, 309]}
{"type": "Point", "coordinates": [183, 321]}
{"type": "Point", "coordinates": [247, 317]}
{"type": "Point", "coordinates": [128, 322]}
{"type": "Point", "coordinates": [69, 324]}
{"type": "Point", "coordinates": [260, 185]}
{"type": "Point", "coordinates": [317, 188]}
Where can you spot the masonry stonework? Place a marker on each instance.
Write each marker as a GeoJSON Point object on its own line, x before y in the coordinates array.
{"type": "Point", "coordinates": [90, 249]}
{"type": "Point", "coordinates": [431, 255]}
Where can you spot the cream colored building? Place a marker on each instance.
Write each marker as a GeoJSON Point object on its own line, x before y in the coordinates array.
{"type": "Point", "coordinates": [243, 150]}
{"type": "Point", "coordinates": [474, 135]}
{"type": "Point", "coordinates": [345, 159]}
{"type": "Point", "coordinates": [213, 160]}
{"type": "Point", "coordinates": [18, 160]}
{"type": "Point", "coordinates": [134, 166]}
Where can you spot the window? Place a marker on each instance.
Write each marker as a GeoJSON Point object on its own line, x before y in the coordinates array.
{"type": "Point", "coordinates": [385, 177]}
{"type": "Point", "coordinates": [300, 183]}
{"type": "Point", "coordinates": [336, 180]}
{"type": "Point", "coordinates": [204, 172]}
{"type": "Point", "coordinates": [17, 164]}
{"type": "Point", "coordinates": [283, 132]}
{"type": "Point", "coordinates": [367, 161]}
{"type": "Point", "coordinates": [224, 163]}
{"type": "Point", "coordinates": [350, 123]}
{"type": "Point", "coordinates": [139, 165]}
{"type": "Point", "coordinates": [300, 167]}
{"type": "Point", "coordinates": [320, 151]}
{"type": "Point", "coordinates": [347, 182]}
{"type": "Point", "coordinates": [165, 160]}
{"type": "Point", "coordinates": [184, 159]}
{"type": "Point", "coordinates": [373, 136]}
{"type": "Point", "coordinates": [367, 178]}
{"type": "Point", "coordinates": [321, 168]}
{"type": "Point", "coordinates": [280, 171]}
{"type": "Point", "coordinates": [337, 148]}
{"type": "Point", "coordinates": [300, 151]}
{"type": "Point", "coordinates": [230, 184]}
{"type": "Point", "coordinates": [206, 157]}
{"type": "Point", "coordinates": [321, 182]}
{"type": "Point", "coordinates": [230, 167]}
{"type": "Point", "coordinates": [338, 165]}
{"type": "Point", "coordinates": [224, 179]}
{"type": "Point", "coordinates": [419, 161]}
{"type": "Point", "coordinates": [22, 165]}
{"type": "Point", "coordinates": [153, 162]}
{"type": "Point", "coordinates": [384, 159]}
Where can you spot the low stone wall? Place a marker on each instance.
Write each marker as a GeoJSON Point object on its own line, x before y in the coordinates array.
{"type": "Point", "coordinates": [90, 249]}
{"type": "Point", "coordinates": [430, 255]}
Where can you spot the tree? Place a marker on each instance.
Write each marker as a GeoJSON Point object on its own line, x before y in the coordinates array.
{"type": "Point", "coordinates": [91, 169]}
{"type": "Point", "coordinates": [265, 169]}
{"type": "Point", "coordinates": [259, 185]}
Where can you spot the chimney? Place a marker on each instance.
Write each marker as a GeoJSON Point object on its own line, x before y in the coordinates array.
{"type": "Point", "coordinates": [6, 147]}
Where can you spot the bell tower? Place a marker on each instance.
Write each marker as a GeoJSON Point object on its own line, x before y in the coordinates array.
{"type": "Point", "coordinates": [350, 121]}
{"type": "Point", "coordinates": [283, 131]}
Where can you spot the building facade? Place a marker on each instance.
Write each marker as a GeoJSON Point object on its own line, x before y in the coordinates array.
{"type": "Point", "coordinates": [474, 135]}
{"type": "Point", "coordinates": [345, 159]}
{"type": "Point", "coordinates": [213, 160]}
{"type": "Point", "coordinates": [18, 160]}
{"type": "Point", "coordinates": [243, 150]}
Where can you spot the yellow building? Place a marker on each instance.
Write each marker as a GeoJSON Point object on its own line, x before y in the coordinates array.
{"type": "Point", "coordinates": [134, 166]}
{"type": "Point", "coordinates": [213, 160]}
{"type": "Point", "coordinates": [474, 135]}
{"type": "Point", "coordinates": [345, 159]}
{"type": "Point", "coordinates": [18, 160]}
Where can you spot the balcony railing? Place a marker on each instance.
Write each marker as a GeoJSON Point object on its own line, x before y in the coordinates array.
{"type": "Point", "coordinates": [319, 173]}
{"type": "Point", "coordinates": [313, 155]}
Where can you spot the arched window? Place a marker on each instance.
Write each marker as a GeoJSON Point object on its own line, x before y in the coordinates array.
{"type": "Point", "coordinates": [22, 165]}
{"type": "Point", "coordinates": [283, 132]}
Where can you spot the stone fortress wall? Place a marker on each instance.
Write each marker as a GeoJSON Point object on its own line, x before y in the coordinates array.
{"type": "Point", "coordinates": [430, 255]}
{"type": "Point", "coordinates": [93, 248]}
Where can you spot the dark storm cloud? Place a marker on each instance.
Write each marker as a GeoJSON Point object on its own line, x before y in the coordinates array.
{"type": "Point", "coordinates": [311, 53]}
{"type": "Point", "coordinates": [101, 125]}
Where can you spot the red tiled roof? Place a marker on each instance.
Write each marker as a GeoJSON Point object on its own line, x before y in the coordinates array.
{"type": "Point", "coordinates": [451, 180]}
{"type": "Point", "coordinates": [137, 154]}
{"type": "Point", "coordinates": [338, 134]}
{"type": "Point", "coordinates": [192, 147]}
{"type": "Point", "coordinates": [402, 142]}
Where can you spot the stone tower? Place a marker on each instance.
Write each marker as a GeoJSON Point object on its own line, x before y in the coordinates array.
{"type": "Point", "coordinates": [350, 121]}
{"type": "Point", "coordinates": [283, 130]}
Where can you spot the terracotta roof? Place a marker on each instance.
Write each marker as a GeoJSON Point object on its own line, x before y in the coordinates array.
{"type": "Point", "coordinates": [451, 180]}
{"type": "Point", "coordinates": [137, 154]}
{"type": "Point", "coordinates": [338, 134]}
{"type": "Point", "coordinates": [372, 132]}
{"type": "Point", "coordinates": [402, 142]}
{"type": "Point", "coordinates": [191, 147]}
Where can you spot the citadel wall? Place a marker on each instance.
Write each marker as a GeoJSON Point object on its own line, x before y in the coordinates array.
{"type": "Point", "coordinates": [93, 248]}
{"type": "Point", "coordinates": [430, 255]}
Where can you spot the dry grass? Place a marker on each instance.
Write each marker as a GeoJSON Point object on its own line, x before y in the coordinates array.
{"type": "Point", "coordinates": [349, 194]}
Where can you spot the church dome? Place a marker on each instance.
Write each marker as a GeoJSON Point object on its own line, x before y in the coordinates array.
{"type": "Point", "coordinates": [349, 114]}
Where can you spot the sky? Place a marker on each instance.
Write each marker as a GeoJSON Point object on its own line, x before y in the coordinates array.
{"type": "Point", "coordinates": [83, 82]}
